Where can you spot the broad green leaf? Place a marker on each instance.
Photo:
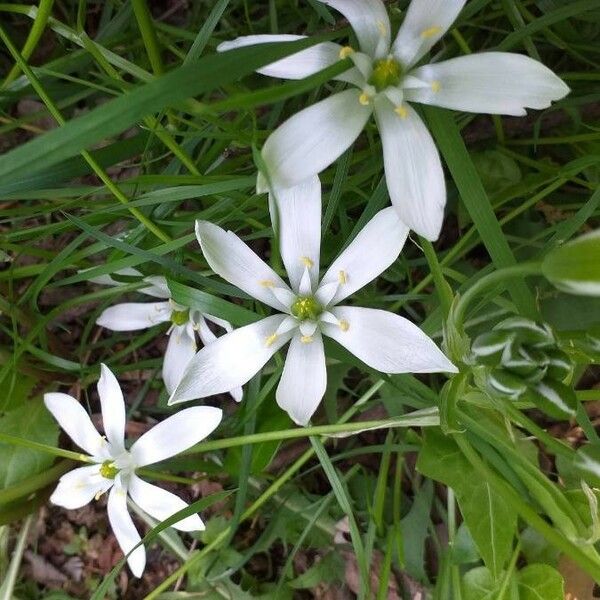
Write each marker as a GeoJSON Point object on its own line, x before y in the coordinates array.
{"type": "Point", "coordinates": [329, 568]}
{"type": "Point", "coordinates": [490, 520]}
{"type": "Point", "coordinates": [479, 584]}
{"type": "Point", "coordinates": [30, 421]}
{"type": "Point", "coordinates": [575, 266]}
{"type": "Point", "coordinates": [540, 582]}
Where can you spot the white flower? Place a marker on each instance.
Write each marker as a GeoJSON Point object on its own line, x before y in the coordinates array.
{"type": "Point", "coordinates": [114, 466]}
{"type": "Point", "coordinates": [131, 316]}
{"type": "Point", "coordinates": [386, 80]}
{"type": "Point", "coordinates": [307, 308]}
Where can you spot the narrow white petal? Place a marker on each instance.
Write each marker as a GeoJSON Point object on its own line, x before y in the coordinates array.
{"type": "Point", "coordinates": [79, 487]}
{"type": "Point", "coordinates": [124, 530]}
{"type": "Point", "coordinates": [312, 139]}
{"type": "Point", "coordinates": [299, 211]}
{"type": "Point", "coordinates": [371, 252]}
{"type": "Point", "coordinates": [73, 418]}
{"type": "Point", "coordinates": [305, 286]}
{"type": "Point", "coordinates": [180, 350]}
{"type": "Point", "coordinates": [175, 434]}
{"type": "Point", "coordinates": [425, 23]}
{"type": "Point", "coordinates": [297, 66]}
{"type": "Point", "coordinates": [226, 325]}
{"type": "Point", "coordinates": [490, 82]}
{"type": "Point", "coordinates": [113, 408]}
{"type": "Point", "coordinates": [304, 378]}
{"type": "Point", "coordinates": [386, 342]}
{"type": "Point", "coordinates": [370, 22]}
{"type": "Point", "coordinates": [134, 315]}
{"type": "Point", "coordinates": [413, 170]}
{"type": "Point", "coordinates": [230, 258]}
{"type": "Point", "coordinates": [158, 287]}
{"type": "Point", "coordinates": [161, 505]}
{"type": "Point", "coordinates": [231, 360]}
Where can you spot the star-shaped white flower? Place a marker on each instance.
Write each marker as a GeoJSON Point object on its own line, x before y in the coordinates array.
{"type": "Point", "coordinates": [114, 466]}
{"type": "Point", "coordinates": [386, 80]}
{"type": "Point", "coordinates": [132, 316]}
{"type": "Point", "coordinates": [307, 309]}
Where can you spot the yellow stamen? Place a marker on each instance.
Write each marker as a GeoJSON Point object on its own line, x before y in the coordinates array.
{"type": "Point", "coordinates": [306, 339]}
{"type": "Point", "coordinates": [346, 51]}
{"type": "Point", "coordinates": [401, 111]}
{"type": "Point", "coordinates": [342, 277]}
{"type": "Point", "coordinates": [344, 325]}
{"type": "Point", "coordinates": [307, 262]}
{"type": "Point", "coordinates": [431, 31]}
{"type": "Point", "coordinates": [364, 99]}
{"type": "Point", "coordinates": [436, 86]}
{"type": "Point", "coordinates": [268, 283]}
{"type": "Point", "coordinates": [271, 339]}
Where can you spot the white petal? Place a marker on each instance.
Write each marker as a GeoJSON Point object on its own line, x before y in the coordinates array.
{"type": "Point", "coordinates": [79, 487]}
{"type": "Point", "coordinates": [73, 418]}
{"type": "Point", "coordinates": [371, 252]}
{"type": "Point", "coordinates": [304, 378]}
{"type": "Point", "coordinates": [231, 360]}
{"type": "Point", "coordinates": [158, 287]}
{"type": "Point", "coordinates": [490, 82]}
{"type": "Point", "coordinates": [386, 342]}
{"type": "Point", "coordinates": [175, 434]}
{"type": "Point", "coordinates": [425, 23]}
{"type": "Point", "coordinates": [230, 258]}
{"type": "Point", "coordinates": [370, 22]}
{"type": "Point", "coordinates": [161, 505]}
{"type": "Point", "coordinates": [299, 211]}
{"type": "Point", "coordinates": [134, 315]}
{"type": "Point", "coordinates": [125, 531]}
{"type": "Point", "coordinates": [226, 325]}
{"type": "Point", "coordinates": [180, 350]}
{"type": "Point", "coordinates": [113, 408]}
{"type": "Point", "coordinates": [298, 65]}
{"type": "Point", "coordinates": [312, 139]}
{"type": "Point", "coordinates": [413, 170]}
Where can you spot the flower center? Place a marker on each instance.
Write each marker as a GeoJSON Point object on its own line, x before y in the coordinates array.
{"type": "Point", "coordinates": [108, 470]}
{"type": "Point", "coordinates": [180, 317]}
{"type": "Point", "coordinates": [306, 308]}
{"type": "Point", "coordinates": [386, 72]}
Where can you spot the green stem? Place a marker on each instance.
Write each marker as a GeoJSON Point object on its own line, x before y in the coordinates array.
{"type": "Point", "coordinates": [18, 441]}
{"type": "Point", "coordinates": [37, 30]}
{"type": "Point", "coordinates": [442, 287]}
{"type": "Point", "coordinates": [420, 418]}
{"type": "Point", "coordinates": [146, 25]}
{"type": "Point", "coordinates": [490, 281]}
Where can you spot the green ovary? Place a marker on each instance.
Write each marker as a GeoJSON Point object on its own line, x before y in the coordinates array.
{"type": "Point", "coordinates": [386, 72]}
{"type": "Point", "coordinates": [108, 469]}
{"type": "Point", "coordinates": [307, 308]}
{"type": "Point", "coordinates": [180, 317]}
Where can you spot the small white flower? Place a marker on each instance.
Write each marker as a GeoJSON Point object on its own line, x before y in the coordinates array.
{"type": "Point", "coordinates": [131, 316]}
{"type": "Point", "coordinates": [114, 466]}
{"type": "Point", "coordinates": [386, 79]}
{"type": "Point", "coordinates": [307, 308]}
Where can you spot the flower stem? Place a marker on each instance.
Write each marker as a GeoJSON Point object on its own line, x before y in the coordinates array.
{"type": "Point", "coordinates": [18, 441]}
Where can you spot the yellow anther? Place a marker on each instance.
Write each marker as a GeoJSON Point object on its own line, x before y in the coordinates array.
{"type": "Point", "coordinates": [346, 51]}
{"type": "Point", "coordinates": [401, 111]}
{"type": "Point", "coordinates": [364, 99]}
{"type": "Point", "coordinates": [430, 31]}
{"type": "Point", "coordinates": [436, 86]}
{"type": "Point", "coordinates": [382, 28]}
{"type": "Point", "coordinates": [306, 339]}
{"type": "Point", "coordinates": [342, 277]}
{"type": "Point", "coordinates": [307, 262]}
{"type": "Point", "coordinates": [268, 283]}
{"type": "Point", "coordinates": [344, 325]}
{"type": "Point", "coordinates": [271, 339]}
